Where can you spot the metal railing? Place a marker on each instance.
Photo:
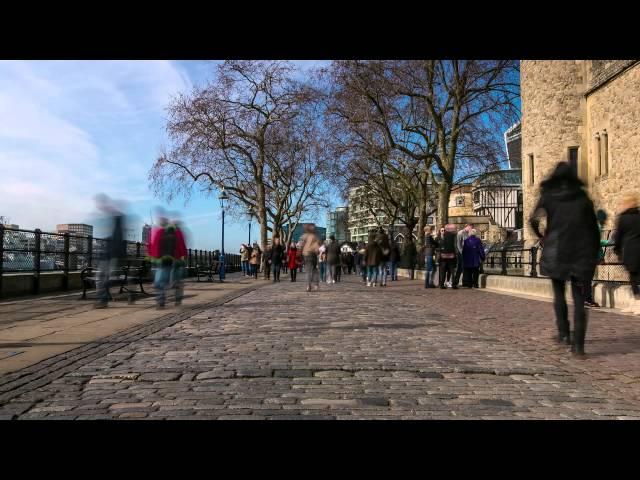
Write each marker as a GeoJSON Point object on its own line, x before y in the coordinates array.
{"type": "Point", "coordinates": [37, 252]}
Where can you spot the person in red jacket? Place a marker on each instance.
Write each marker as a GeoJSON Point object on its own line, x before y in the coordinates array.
{"type": "Point", "coordinates": [168, 250]}
{"type": "Point", "coordinates": [292, 260]}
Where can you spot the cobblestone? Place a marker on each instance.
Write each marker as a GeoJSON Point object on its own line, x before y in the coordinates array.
{"type": "Point", "coordinates": [345, 352]}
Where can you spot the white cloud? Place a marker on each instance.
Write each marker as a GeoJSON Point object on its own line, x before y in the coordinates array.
{"type": "Point", "coordinates": [71, 129]}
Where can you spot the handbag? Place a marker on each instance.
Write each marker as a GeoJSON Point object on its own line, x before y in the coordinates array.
{"type": "Point", "coordinates": [447, 256]}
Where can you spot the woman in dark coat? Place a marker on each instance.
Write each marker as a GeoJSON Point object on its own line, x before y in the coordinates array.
{"type": "Point", "coordinates": [472, 257]}
{"type": "Point", "coordinates": [277, 255]}
{"type": "Point", "coordinates": [627, 245]}
{"type": "Point", "coordinates": [428, 252]}
{"type": "Point", "coordinates": [292, 261]}
{"type": "Point", "coordinates": [570, 247]}
{"type": "Point", "coordinates": [409, 256]}
{"type": "Point", "coordinates": [448, 257]}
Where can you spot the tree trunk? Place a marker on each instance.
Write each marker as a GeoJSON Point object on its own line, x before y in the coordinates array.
{"type": "Point", "coordinates": [444, 192]}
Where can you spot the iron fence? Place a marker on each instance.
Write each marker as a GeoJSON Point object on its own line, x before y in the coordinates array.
{"type": "Point", "coordinates": [36, 252]}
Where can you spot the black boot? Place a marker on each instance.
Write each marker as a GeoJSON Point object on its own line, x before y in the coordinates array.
{"type": "Point", "coordinates": [564, 337]}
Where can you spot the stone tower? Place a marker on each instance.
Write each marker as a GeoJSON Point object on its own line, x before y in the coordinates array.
{"type": "Point", "coordinates": [586, 112]}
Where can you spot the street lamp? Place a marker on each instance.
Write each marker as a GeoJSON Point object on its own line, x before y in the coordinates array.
{"type": "Point", "coordinates": [250, 213]}
{"type": "Point", "coordinates": [223, 196]}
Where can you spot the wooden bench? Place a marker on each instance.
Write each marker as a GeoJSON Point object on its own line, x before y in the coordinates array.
{"type": "Point", "coordinates": [132, 273]}
{"type": "Point", "coordinates": [209, 270]}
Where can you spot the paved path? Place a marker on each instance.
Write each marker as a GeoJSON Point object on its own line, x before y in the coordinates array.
{"type": "Point", "coordinates": [345, 352]}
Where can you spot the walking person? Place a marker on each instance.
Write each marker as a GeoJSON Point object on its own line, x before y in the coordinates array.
{"type": "Point", "coordinates": [177, 272]}
{"type": "Point", "coordinates": [115, 251]}
{"type": "Point", "coordinates": [627, 245]}
{"type": "Point", "coordinates": [254, 260]}
{"type": "Point", "coordinates": [322, 261]}
{"type": "Point", "coordinates": [447, 256]}
{"type": "Point", "coordinates": [394, 259]}
{"type": "Point", "coordinates": [292, 261]}
{"type": "Point", "coordinates": [362, 257]}
{"type": "Point", "coordinates": [266, 258]}
{"type": "Point", "coordinates": [385, 261]}
{"type": "Point", "coordinates": [460, 238]}
{"type": "Point", "coordinates": [310, 248]}
{"type": "Point", "coordinates": [166, 248]}
{"type": "Point", "coordinates": [409, 256]}
{"type": "Point", "coordinates": [429, 250]}
{"type": "Point", "coordinates": [472, 256]}
{"type": "Point", "coordinates": [570, 247]}
{"type": "Point", "coordinates": [333, 259]}
{"type": "Point", "coordinates": [277, 256]}
{"type": "Point", "coordinates": [373, 258]}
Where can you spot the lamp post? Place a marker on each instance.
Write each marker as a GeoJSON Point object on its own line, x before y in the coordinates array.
{"type": "Point", "coordinates": [223, 196]}
{"type": "Point", "coordinates": [250, 212]}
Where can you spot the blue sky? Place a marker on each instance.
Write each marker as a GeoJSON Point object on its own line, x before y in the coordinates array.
{"type": "Point", "coordinates": [71, 129]}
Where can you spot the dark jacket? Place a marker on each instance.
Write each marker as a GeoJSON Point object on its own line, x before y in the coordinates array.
{"type": "Point", "coordinates": [448, 244]}
{"type": "Point", "coordinates": [373, 255]}
{"type": "Point", "coordinates": [277, 254]}
{"type": "Point", "coordinates": [382, 239]}
{"type": "Point", "coordinates": [116, 247]}
{"type": "Point", "coordinates": [333, 253]}
{"type": "Point", "coordinates": [430, 245]}
{"type": "Point", "coordinates": [571, 241]}
{"type": "Point", "coordinates": [395, 253]}
{"type": "Point", "coordinates": [472, 252]}
{"type": "Point", "coordinates": [627, 239]}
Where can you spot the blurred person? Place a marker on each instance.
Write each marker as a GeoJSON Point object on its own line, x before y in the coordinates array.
{"type": "Point", "coordinates": [277, 256]}
{"type": "Point", "coordinates": [428, 252]}
{"type": "Point", "coordinates": [267, 262]}
{"type": "Point", "coordinates": [460, 239]}
{"type": "Point", "coordinates": [473, 255]}
{"type": "Point", "coordinates": [447, 256]}
{"type": "Point", "coordinates": [409, 256]}
{"type": "Point", "coordinates": [385, 260]}
{"type": "Point", "coordinates": [310, 244]}
{"type": "Point", "coordinates": [333, 259]}
{"type": "Point", "coordinates": [166, 248]}
{"type": "Point", "coordinates": [115, 249]}
{"type": "Point", "coordinates": [322, 261]}
{"type": "Point", "coordinates": [362, 254]}
{"type": "Point", "coordinates": [373, 258]}
{"type": "Point", "coordinates": [254, 260]}
{"type": "Point", "coordinates": [292, 260]}
{"type": "Point", "coordinates": [570, 247]}
{"type": "Point", "coordinates": [394, 259]}
{"type": "Point", "coordinates": [627, 246]}
{"type": "Point", "coordinates": [178, 270]}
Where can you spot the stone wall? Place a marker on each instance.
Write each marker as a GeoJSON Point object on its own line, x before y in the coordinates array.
{"type": "Point", "coordinates": [615, 107]}
{"type": "Point", "coordinates": [553, 107]}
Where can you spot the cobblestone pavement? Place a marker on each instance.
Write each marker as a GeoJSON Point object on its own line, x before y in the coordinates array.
{"type": "Point", "coordinates": [345, 352]}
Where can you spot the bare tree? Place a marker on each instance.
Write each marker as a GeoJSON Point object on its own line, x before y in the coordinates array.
{"type": "Point", "coordinates": [221, 134]}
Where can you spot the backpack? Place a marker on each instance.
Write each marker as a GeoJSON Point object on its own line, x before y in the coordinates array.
{"type": "Point", "coordinates": [168, 242]}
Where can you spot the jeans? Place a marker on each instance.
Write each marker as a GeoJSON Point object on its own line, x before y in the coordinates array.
{"type": "Point", "coordinates": [311, 267]}
{"type": "Point", "coordinates": [245, 267]}
{"type": "Point", "coordinates": [580, 313]}
{"type": "Point", "coordinates": [363, 272]}
{"type": "Point", "coordinates": [177, 281]}
{"type": "Point", "coordinates": [459, 269]}
{"type": "Point", "coordinates": [162, 279]}
{"type": "Point", "coordinates": [322, 266]}
{"type": "Point", "coordinates": [292, 274]}
{"type": "Point", "coordinates": [394, 271]}
{"type": "Point", "coordinates": [446, 271]}
{"type": "Point", "coordinates": [383, 272]}
{"type": "Point", "coordinates": [276, 271]}
{"type": "Point", "coordinates": [105, 267]}
{"type": "Point", "coordinates": [254, 270]}
{"type": "Point", "coordinates": [373, 271]}
{"type": "Point", "coordinates": [430, 268]}
{"type": "Point", "coordinates": [333, 272]}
